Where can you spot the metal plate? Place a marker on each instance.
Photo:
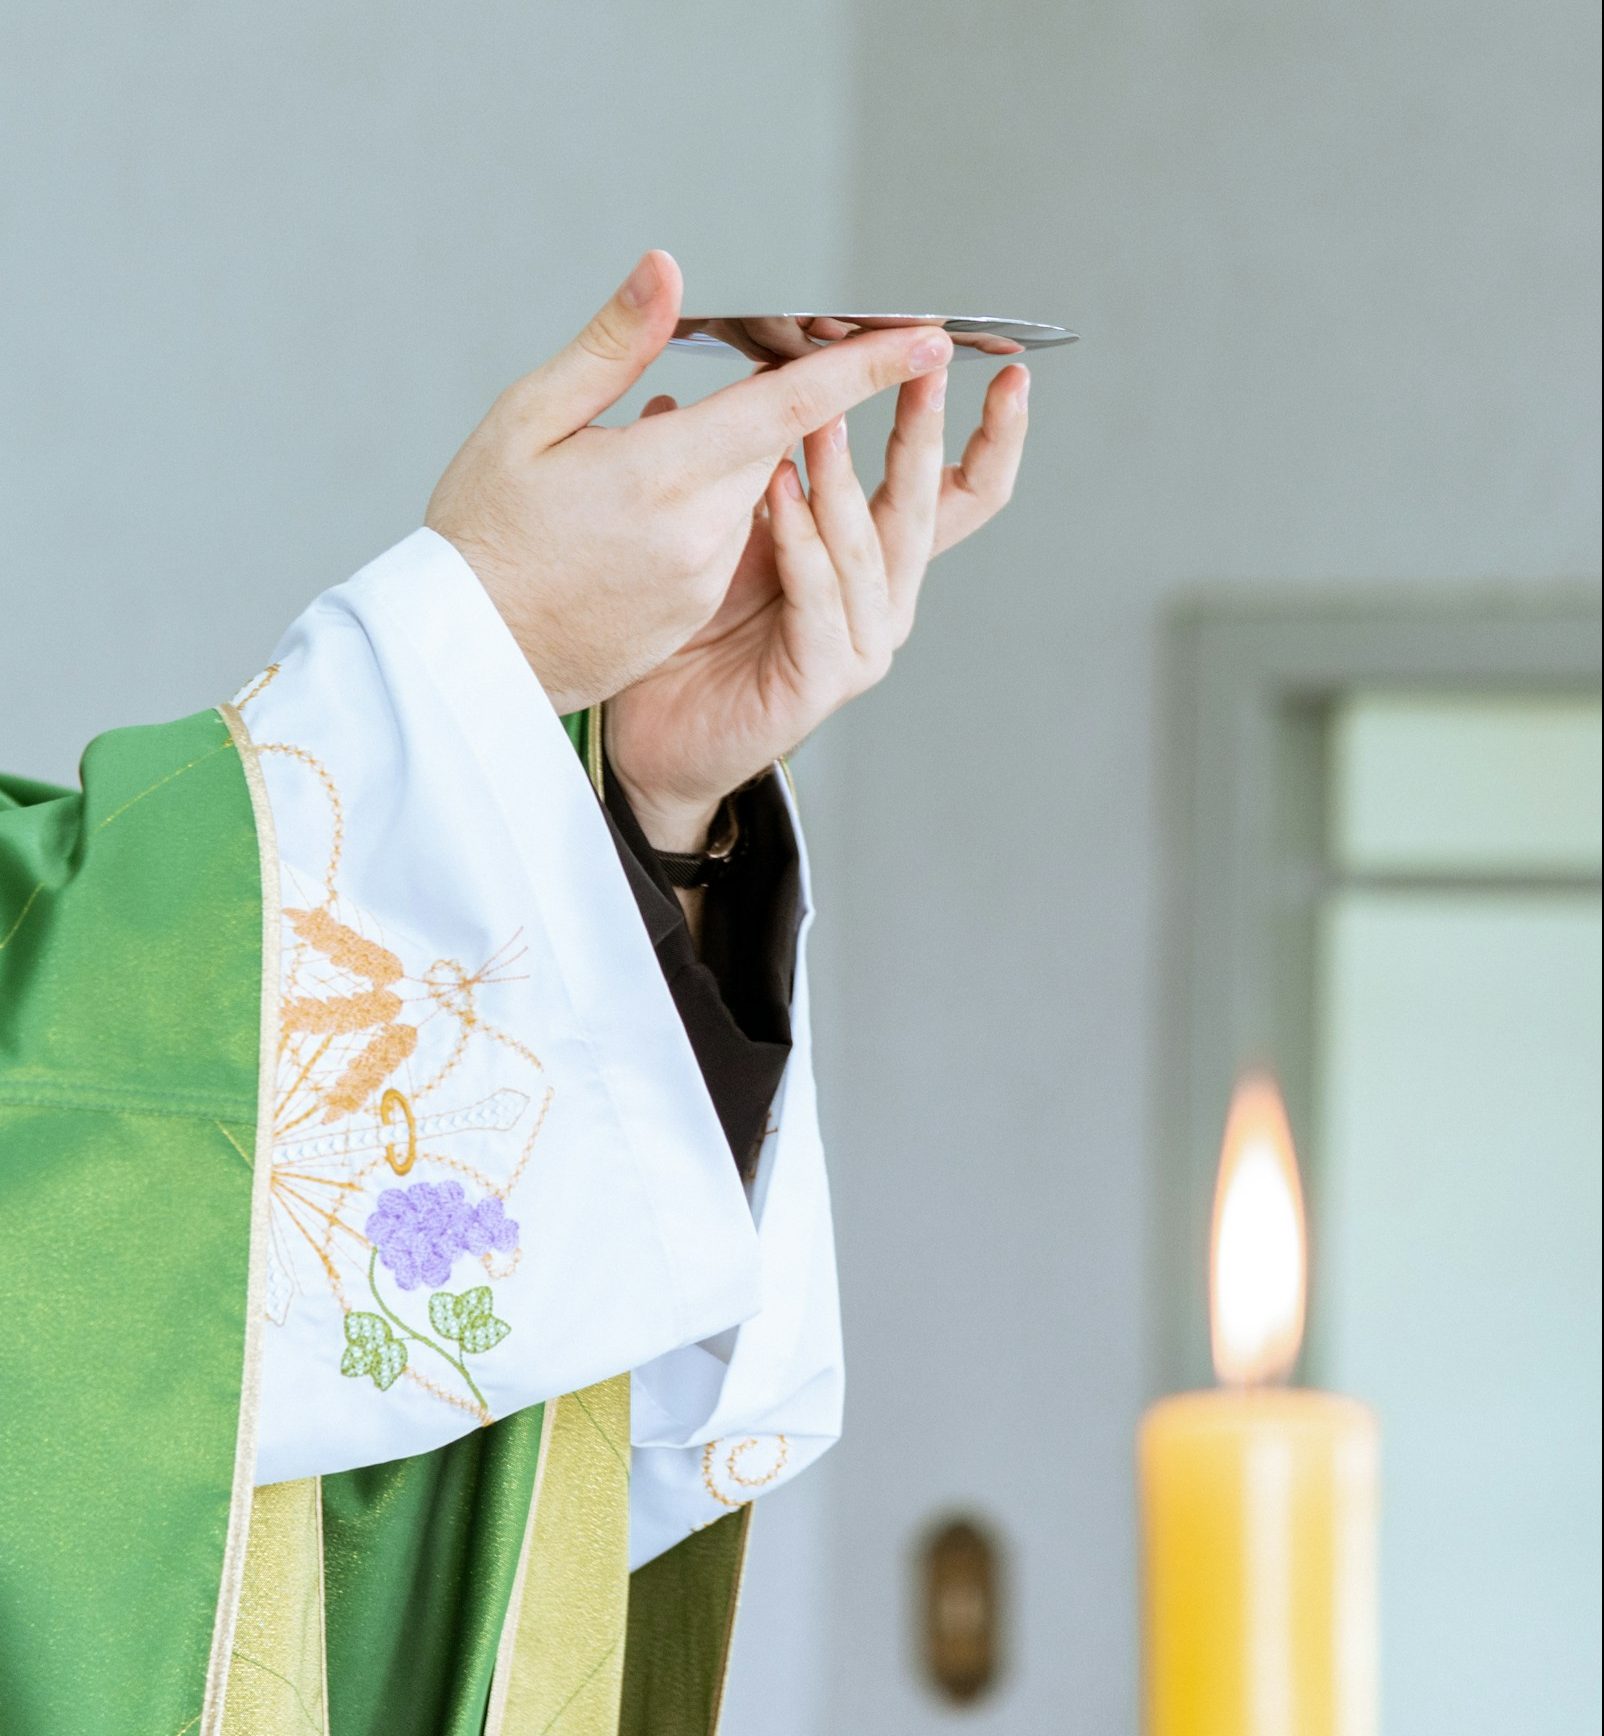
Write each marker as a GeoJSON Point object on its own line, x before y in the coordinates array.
{"type": "Point", "coordinates": [777, 337]}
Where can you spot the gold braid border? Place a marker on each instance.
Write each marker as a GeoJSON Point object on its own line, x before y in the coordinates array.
{"type": "Point", "coordinates": [239, 1511]}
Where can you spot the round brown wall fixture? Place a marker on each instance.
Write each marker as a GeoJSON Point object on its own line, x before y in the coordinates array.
{"type": "Point", "coordinates": [961, 1572]}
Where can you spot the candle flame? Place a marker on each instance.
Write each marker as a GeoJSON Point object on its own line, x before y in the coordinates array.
{"type": "Point", "coordinates": [1260, 1263]}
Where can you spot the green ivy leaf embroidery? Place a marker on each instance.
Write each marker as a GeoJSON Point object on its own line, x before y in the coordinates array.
{"type": "Point", "coordinates": [467, 1319]}
{"type": "Point", "coordinates": [371, 1348]}
{"type": "Point", "coordinates": [483, 1335]}
{"type": "Point", "coordinates": [445, 1314]}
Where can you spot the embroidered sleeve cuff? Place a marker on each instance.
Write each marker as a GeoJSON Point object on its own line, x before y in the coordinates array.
{"type": "Point", "coordinates": [717, 1423]}
{"type": "Point", "coordinates": [497, 1174]}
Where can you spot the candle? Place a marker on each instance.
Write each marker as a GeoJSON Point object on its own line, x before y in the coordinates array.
{"type": "Point", "coordinates": [1258, 1500]}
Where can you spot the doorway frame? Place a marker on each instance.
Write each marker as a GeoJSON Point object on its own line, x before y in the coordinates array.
{"type": "Point", "coordinates": [1251, 676]}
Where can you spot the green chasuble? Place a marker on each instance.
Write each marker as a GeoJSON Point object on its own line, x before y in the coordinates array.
{"type": "Point", "coordinates": [145, 1586]}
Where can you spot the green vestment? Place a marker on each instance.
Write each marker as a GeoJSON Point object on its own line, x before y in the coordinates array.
{"type": "Point", "coordinates": [138, 934]}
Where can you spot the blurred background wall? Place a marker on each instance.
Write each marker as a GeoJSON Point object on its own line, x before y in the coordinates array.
{"type": "Point", "coordinates": [264, 266]}
{"type": "Point", "coordinates": [1336, 271]}
{"type": "Point", "coordinates": [1336, 268]}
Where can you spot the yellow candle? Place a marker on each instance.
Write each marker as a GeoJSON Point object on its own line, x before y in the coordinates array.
{"type": "Point", "coordinates": [1259, 1502]}
{"type": "Point", "coordinates": [1259, 1569]}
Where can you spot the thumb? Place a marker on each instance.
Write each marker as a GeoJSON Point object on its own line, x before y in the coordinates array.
{"type": "Point", "coordinates": [608, 356]}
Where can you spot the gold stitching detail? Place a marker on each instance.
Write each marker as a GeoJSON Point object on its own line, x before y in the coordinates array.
{"type": "Point", "coordinates": [341, 1014]}
{"type": "Point", "coordinates": [262, 682]}
{"type": "Point", "coordinates": [732, 1460]}
{"type": "Point", "coordinates": [353, 1017]}
{"type": "Point", "coordinates": [237, 1539]}
{"type": "Point", "coordinates": [117, 814]}
{"type": "Point", "coordinates": [738, 1452]}
{"type": "Point", "coordinates": [378, 1060]}
{"type": "Point", "coordinates": [477, 1411]}
{"type": "Point", "coordinates": [245, 1156]}
{"type": "Point", "coordinates": [344, 947]}
{"type": "Point", "coordinates": [393, 1099]}
{"type": "Point", "coordinates": [176, 772]}
{"type": "Point", "coordinates": [5, 939]}
{"type": "Point", "coordinates": [336, 807]}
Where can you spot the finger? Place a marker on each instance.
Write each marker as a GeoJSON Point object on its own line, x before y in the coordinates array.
{"type": "Point", "coordinates": [847, 529]}
{"type": "Point", "coordinates": [980, 484]}
{"type": "Point", "coordinates": [758, 418]}
{"type": "Point", "coordinates": [880, 322]}
{"type": "Point", "coordinates": [768, 340]}
{"type": "Point", "coordinates": [658, 406]}
{"type": "Point", "coordinates": [904, 505]}
{"type": "Point", "coordinates": [988, 343]}
{"type": "Point", "coordinates": [816, 623]}
{"type": "Point", "coordinates": [761, 509]}
{"type": "Point", "coordinates": [606, 359]}
{"type": "Point", "coordinates": [780, 337]}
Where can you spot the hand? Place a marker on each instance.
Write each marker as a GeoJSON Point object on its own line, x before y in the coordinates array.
{"type": "Point", "coordinates": [605, 548]}
{"type": "Point", "coordinates": [823, 595]}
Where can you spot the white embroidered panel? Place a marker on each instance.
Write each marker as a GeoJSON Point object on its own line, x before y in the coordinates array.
{"type": "Point", "coordinates": [497, 1176]}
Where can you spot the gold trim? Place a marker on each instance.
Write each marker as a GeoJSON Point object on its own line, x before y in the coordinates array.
{"type": "Point", "coordinates": [279, 1636]}
{"type": "Point", "coordinates": [565, 1667]}
{"type": "Point", "coordinates": [239, 1510]}
{"type": "Point", "coordinates": [501, 1675]}
{"type": "Point", "coordinates": [782, 1457]}
{"type": "Point", "coordinates": [323, 1606]}
{"type": "Point", "coordinates": [739, 1579]}
{"type": "Point", "coordinates": [595, 763]}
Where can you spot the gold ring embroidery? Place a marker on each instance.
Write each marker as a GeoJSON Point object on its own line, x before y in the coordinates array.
{"type": "Point", "coordinates": [391, 1100]}
{"type": "Point", "coordinates": [732, 1472]}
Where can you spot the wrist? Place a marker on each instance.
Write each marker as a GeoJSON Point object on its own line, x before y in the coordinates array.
{"type": "Point", "coordinates": [541, 641]}
{"type": "Point", "coordinates": [680, 826]}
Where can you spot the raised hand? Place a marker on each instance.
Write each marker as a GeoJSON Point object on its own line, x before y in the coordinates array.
{"type": "Point", "coordinates": [605, 548]}
{"type": "Point", "coordinates": [822, 597]}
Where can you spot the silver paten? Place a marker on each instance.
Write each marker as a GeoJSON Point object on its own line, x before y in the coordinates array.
{"type": "Point", "coordinates": [778, 337]}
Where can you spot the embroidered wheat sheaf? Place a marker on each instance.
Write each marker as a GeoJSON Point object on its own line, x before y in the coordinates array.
{"type": "Point", "coordinates": [386, 1188]}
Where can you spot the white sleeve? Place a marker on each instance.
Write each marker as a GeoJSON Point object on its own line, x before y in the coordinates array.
{"type": "Point", "coordinates": [719, 1422]}
{"type": "Point", "coordinates": [497, 1176]}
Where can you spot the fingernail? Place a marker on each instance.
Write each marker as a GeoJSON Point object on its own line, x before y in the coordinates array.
{"type": "Point", "coordinates": [938, 393]}
{"type": "Point", "coordinates": [838, 434]}
{"type": "Point", "coordinates": [791, 482]}
{"type": "Point", "coordinates": [1022, 390]}
{"type": "Point", "coordinates": [932, 353]}
{"type": "Point", "coordinates": [639, 287]}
